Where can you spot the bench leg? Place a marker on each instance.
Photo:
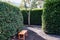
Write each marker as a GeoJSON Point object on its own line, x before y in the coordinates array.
{"type": "Point", "coordinates": [26, 34]}
{"type": "Point", "coordinates": [22, 38]}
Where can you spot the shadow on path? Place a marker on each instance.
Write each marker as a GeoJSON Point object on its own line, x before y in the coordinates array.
{"type": "Point", "coordinates": [36, 33]}
{"type": "Point", "coordinates": [39, 34]}
{"type": "Point", "coordinates": [33, 36]}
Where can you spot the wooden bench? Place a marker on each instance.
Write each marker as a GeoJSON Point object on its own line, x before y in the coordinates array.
{"type": "Point", "coordinates": [22, 34]}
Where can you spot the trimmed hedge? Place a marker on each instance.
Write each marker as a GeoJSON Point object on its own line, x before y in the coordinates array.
{"type": "Point", "coordinates": [11, 21]}
{"type": "Point", "coordinates": [51, 17]}
{"type": "Point", "coordinates": [25, 16]}
{"type": "Point", "coordinates": [35, 16]}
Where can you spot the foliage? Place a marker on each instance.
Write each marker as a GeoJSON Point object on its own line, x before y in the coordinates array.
{"type": "Point", "coordinates": [11, 21]}
{"type": "Point", "coordinates": [33, 4]}
{"type": "Point", "coordinates": [35, 16]}
{"type": "Point", "coordinates": [51, 17]}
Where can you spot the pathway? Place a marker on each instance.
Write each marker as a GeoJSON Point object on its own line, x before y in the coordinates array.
{"type": "Point", "coordinates": [41, 35]}
{"type": "Point", "coordinates": [36, 33]}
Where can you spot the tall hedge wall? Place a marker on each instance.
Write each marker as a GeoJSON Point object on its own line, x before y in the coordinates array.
{"type": "Point", "coordinates": [35, 16]}
{"type": "Point", "coordinates": [51, 17]}
{"type": "Point", "coordinates": [11, 21]}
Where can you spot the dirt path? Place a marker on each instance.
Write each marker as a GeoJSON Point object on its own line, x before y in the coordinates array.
{"type": "Point", "coordinates": [42, 35]}
{"type": "Point", "coordinates": [36, 33]}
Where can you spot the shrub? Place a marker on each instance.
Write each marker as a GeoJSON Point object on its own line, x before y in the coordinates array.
{"type": "Point", "coordinates": [11, 21]}
{"type": "Point", "coordinates": [35, 16]}
{"type": "Point", "coordinates": [51, 17]}
{"type": "Point", "coordinates": [25, 16]}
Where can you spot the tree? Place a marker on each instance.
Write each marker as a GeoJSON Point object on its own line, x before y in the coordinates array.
{"type": "Point", "coordinates": [32, 4]}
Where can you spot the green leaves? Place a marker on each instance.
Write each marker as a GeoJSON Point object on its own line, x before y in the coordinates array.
{"type": "Point", "coordinates": [11, 20]}
{"type": "Point", "coordinates": [51, 16]}
{"type": "Point", "coordinates": [35, 16]}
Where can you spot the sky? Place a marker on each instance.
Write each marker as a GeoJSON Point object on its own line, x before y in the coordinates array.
{"type": "Point", "coordinates": [15, 2]}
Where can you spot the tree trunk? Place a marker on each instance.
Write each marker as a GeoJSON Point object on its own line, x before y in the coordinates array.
{"type": "Point", "coordinates": [29, 18]}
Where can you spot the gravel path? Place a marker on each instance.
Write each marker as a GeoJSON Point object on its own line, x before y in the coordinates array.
{"type": "Point", "coordinates": [36, 33]}
{"type": "Point", "coordinates": [33, 36]}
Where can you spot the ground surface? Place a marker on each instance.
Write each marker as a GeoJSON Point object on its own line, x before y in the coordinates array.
{"type": "Point", "coordinates": [36, 33]}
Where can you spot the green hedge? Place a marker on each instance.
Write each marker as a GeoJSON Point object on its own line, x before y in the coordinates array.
{"type": "Point", "coordinates": [35, 16]}
{"type": "Point", "coordinates": [51, 17]}
{"type": "Point", "coordinates": [11, 21]}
